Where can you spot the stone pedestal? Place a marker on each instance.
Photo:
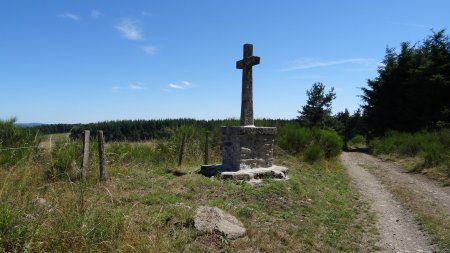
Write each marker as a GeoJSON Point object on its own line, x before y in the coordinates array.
{"type": "Point", "coordinates": [247, 154]}
{"type": "Point", "coordinates": [247, 147]}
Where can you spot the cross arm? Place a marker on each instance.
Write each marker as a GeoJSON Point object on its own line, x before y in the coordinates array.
{"type": "Point", "coordinates": [249, 61]}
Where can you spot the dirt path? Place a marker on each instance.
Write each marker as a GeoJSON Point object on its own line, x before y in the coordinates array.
{"type": "Point", "coordinates": [398, 229]}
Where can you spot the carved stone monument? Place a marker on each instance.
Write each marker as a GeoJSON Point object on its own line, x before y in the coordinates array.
{"type": "Point", "coordinates": [247, 151]}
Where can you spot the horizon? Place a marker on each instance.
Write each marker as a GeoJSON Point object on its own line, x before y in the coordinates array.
{"type": "Point", "coordinates": [73, 63]}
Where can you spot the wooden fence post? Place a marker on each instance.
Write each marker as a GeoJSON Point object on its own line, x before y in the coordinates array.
{"type": "Point", "coordinates": [84, 169]}
{"type": "Point", "coordinates": [101, 154]}
{"type": "Point", "coordinates": [205, 158]}
{"type": "Point", "coordinates": [180, 157]}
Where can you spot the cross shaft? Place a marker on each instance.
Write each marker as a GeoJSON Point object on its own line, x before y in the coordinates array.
{"type": "Point", "coordinates": [246, 65]}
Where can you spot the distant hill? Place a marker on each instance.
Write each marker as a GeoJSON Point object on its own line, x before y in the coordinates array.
{"type": "Point", "coordinates": [28, 125]}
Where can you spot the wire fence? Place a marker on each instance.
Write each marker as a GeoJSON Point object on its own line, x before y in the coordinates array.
{"type": "Point", "coordinates": [3, 149]}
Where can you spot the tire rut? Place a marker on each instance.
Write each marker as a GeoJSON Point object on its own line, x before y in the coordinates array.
{"type": "Point", "coordinates": [399, 232]}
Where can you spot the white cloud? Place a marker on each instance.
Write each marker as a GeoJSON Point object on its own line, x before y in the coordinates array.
{"type": "Point", "coordinates": [308, 63]}
{"type": "Point", "coordinates": [136, 86]}
{"type": "Point", "coordinates": [95, 14]}
{"type": "Point", "coordinates": [180, 86]}
{"type": "Point", "coordinates": [150, 50]}
{"type": "Point", "coordinates": [70, 16]}
{"type": "Point", "coordinates": [129, 29]}
{"type": "Point", "coordinates": [176, 86]}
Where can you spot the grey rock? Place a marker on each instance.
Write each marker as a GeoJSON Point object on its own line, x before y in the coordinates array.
{"type": "Point", "coordinates": [215, 220]}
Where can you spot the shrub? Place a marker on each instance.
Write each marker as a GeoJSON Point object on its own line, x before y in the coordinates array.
{"type": "Point", "coordinates": [298, 140]}
{"type": "Point", "coordinates": [357, 141]}
{"type": "Point", "coordinates": [433, 147]}
{"type": "Point", "coordinates": [330, 142]}
{"type": "Point", "coordinates": [16, 143]}
{"type": "Point", "coordinates": [313, 153]}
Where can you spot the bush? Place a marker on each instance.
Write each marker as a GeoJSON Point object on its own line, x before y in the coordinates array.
{"type": "Point", "coordinates": [433, 147]}
{"type": "Point", "coordinates": [306, 141]}
{"type": "Point", "coordinates": [16, 143]}
{"type": "Point", "coordinates": [313, 153]}
{"type": "Point", "coordinates": [357, 141]}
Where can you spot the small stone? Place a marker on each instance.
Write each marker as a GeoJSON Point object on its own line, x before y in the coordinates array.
{"type": "Point", "coordinates": [39, 202]}
{"type": "Point", "coordinates": [215, 220]}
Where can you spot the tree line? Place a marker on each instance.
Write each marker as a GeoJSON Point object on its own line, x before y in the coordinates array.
{"type": "Point", "coordinates": [410, 93]}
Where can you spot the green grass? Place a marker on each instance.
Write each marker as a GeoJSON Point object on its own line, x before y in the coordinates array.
{"type": "Point", "coordinates": [313, 144]}
{"type": "Point", "coordinates": [148, 202]}
{"type": "Point", "coordinates": [431, 150]}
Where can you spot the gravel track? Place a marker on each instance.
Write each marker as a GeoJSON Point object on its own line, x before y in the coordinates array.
{"type": "Point", "coordinates": [399, 232]}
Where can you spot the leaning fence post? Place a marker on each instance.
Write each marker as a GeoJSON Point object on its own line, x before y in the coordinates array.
{"type": "Point", "coordinates": [205, 158]}
{"type": "Point", "coordinates": [84, 169]}
{"type": "Point", "coordinates": [180, 157]}
{"type": "Point", "coordinates": [101, 154]}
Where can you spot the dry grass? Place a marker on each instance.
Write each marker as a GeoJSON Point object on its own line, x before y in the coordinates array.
{"type": "Point", "coordinates": [148, 207]}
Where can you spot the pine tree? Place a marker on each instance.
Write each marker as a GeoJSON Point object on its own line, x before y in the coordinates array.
{"type": "Point", "coordinates": [317, 111]}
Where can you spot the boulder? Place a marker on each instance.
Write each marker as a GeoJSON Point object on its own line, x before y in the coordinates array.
{"type": "Point", "coordinates": [215, 220]}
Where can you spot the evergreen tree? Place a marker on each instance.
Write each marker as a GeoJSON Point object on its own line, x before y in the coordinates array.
{"type": "Point", "coordinates": [412, 90]}
{"type": "Point", "coordinates": [317, 111]}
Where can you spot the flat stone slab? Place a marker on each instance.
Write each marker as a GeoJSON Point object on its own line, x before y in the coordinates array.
{"type": "Point", "coordinates": [248, 130]}
{"type": "Point", "coordinates": [254, 175]}
{"type": "Point", "coordinates": [215, 220]}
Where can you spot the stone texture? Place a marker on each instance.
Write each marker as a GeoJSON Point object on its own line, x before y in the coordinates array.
{"type": "Point", "coordinates": [257, 174]}
{"type": "Point", "coordinates": [246, 65]}
{"type": "Point", "coordinates": [247, 151]}
{"type": "Point", "coordinates": [215, 220]}
{"type": "Point", "coordinates": [247, 147]}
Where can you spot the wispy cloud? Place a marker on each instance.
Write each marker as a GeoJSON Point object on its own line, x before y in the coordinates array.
{"type": "Point", "coordinates": [136, 86]}
{"type": "Point", "coordinates": [149, 50]}
{"type": "Point", "coordinates": [309, 63]}
{"type": "Point", "coordinates": [180, 86]}
{"type": "Point", "coordinates": [70, 16]}
{"type": "Point", "coordinates": [96, 14]}
{"type": "Point", "coordinates": [129, 29]}
{"type": "Point", "coordinates": [176, 86]}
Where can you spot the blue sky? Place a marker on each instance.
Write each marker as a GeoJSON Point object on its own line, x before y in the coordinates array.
{"type": "Point", "coordinates": [90, 61]}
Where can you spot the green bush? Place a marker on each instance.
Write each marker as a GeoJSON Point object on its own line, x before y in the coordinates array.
{"type": "Point", "coordinates": [330, 142]}
{"type": "Point", "coordinates": [357, 141]}
{"type": "Point", "coordinates": [16, 144]}
{"type": "Point", "coordinates": [314, 153]}
{"type": "Point", "coordinates": [300, 140]}
{"type": "Point", "coordinates": [433, 147]}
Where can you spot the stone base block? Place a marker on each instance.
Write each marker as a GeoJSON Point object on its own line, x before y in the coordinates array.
{"type": "Point", "coordinates": [254, 175]}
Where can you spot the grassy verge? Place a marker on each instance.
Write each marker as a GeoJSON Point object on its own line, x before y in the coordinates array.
{"type": "Point", "coordinates": [431, 218]}
{"type": "Point", "coordinates": [424, 152]}
{"type": "Point", "coordinates": [147, 205]}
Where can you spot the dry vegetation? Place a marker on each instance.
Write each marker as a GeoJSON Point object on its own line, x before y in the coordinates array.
{"type": "Point", "coordinates": [147, 205]}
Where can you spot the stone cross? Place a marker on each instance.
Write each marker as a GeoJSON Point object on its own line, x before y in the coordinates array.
{"type": "Point", "coordinates": [246, 65]}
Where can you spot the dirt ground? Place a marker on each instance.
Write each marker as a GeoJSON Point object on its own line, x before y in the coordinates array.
{"type": "Point", "coordinates": [398, 229]}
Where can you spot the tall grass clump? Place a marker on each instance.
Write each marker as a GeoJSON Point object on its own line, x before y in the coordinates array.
{"type": "Point", "coordinates": [432, 147]}
{"type": "Point", "coordinates": [16, 144]}
{"type": "Point", "coordinates": [66, 160]}
{"type": "Point", "coordinates": [312, 143]}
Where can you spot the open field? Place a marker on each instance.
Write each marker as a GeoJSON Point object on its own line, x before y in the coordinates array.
{"type": "Point", "coordinates": [147, 205]}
